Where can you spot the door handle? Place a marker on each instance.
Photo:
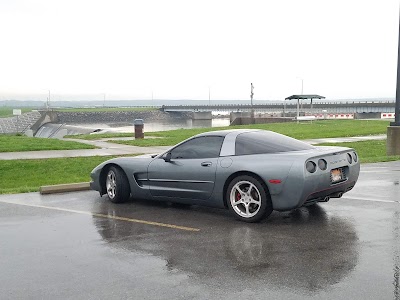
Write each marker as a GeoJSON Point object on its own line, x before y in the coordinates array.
{"type": "Point", "coordinates": [206, 164]}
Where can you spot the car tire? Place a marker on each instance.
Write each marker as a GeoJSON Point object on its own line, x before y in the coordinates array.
{"type": "Point", "coordinates": [117, 185]}
{"type": "Point", "coordinates": [248, 199]}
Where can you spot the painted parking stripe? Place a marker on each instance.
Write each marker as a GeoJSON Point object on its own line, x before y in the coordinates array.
{"type": "Point", "coordinates": [370, 199]}
{"type": "Point", "coordinates": [108, 216]}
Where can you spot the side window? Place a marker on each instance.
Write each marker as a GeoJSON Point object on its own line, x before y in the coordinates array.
{"type": "Point", "coordinates": [201, 147]}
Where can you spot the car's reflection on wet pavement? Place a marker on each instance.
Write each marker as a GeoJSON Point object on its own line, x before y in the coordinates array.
{"type": "Point", "coordinates": [303, 250]}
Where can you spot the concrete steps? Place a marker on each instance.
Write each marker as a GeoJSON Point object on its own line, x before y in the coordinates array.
{"type": "Point", "coordinates": [19, 124]}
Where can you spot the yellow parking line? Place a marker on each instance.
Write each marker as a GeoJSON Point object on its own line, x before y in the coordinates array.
{"type": "Point", "coordinates": [108, 216]}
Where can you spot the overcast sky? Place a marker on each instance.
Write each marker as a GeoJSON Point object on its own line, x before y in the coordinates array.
{"type": "Point", "coordinates": [130, 49]}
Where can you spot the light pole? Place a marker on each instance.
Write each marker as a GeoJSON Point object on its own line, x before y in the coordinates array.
{"type": "Point", "coordinates": [251, 101]}
{"type": "Point", "coordinates": [302, 86]}
{"type": "Point", "coordinates": [48, 102]}
{"type": "Point", "coordinates": [393, 131]}
{"type": "Point", "coordinates": [397, 107]}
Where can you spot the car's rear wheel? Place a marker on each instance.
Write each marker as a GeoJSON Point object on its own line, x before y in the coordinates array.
{"type": "Point", "coordinates": [117, 185]}
{"type": "Point", "coordinates": [248, 199]}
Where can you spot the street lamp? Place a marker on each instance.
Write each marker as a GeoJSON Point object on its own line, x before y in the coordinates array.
{"type": "Point", "coordinates": [393, 131]}
{"type": "Point", "coordinates": [48, 102]}
{"type": "Point", "coordinates": [251, 100]}
{"type": "Point", "coordinates": [302, 86]}
{"type": "Point", "coordinates": [397, 107]}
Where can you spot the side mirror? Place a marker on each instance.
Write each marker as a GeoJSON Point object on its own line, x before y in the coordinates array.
{"type": "Point", "coordinates": [167, 157]}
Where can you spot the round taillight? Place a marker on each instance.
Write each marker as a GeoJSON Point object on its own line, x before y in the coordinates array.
{"type": "Point", "coordinates": [355, 156]}
{"type": "Point", "coordinates": [311, 166]}
{"type": "Point", "coordinates": [322, 164]}
{"type": "Point", "coordinates": [349, 158]}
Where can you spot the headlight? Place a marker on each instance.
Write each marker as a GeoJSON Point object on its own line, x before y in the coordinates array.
{"type": "Point", "coordinates": [311, 166]}
{"type": "Point", "coordinates": [322, 164]}
{"type": "Point", "coordinates": [349, 158]}
{"type": "Point", "coordinates": [355, 157]}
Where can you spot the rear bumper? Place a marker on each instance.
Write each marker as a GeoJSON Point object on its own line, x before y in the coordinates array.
{"type": "Point", "coordinates": [319, 196]}
{"type": "Point", "coordinates": [306, 188]}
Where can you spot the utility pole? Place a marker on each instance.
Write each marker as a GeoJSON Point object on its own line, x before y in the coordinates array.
{"type": "Point", "coordinates": [397, 107]}
{"type": "Point", "coordinates": [393, 131]}
{"type": "Point", "coordinates": [104, 99]}
{"type": "Point", "coordinates": [48, 102]}
{"type": "Point", "coordinates": [302, 86]}
{"type": "Point", "coordinates": [251, 99]}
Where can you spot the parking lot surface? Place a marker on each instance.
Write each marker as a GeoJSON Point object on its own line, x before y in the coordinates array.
{"type": "Point", "coordinates": [81, 246]}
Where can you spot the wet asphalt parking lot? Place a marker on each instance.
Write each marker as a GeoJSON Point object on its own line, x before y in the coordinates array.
{"type": "Point", "coordinates": [80, 246]}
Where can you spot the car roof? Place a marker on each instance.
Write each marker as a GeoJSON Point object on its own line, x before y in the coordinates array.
{"type": "Point", "coordinates": [226, 132]}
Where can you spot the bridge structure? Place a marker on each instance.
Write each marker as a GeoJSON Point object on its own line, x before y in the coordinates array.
{"type": "Point", "coordinates": [291, 107]}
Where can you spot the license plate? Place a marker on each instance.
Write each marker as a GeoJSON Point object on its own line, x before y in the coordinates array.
{"type": "Point", "coordinates": [337, 175]}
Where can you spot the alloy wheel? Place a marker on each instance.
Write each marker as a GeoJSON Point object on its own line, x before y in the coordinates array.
{"type": "Point", "coordinates": [245, 199]}
{"type": "Point", "coordinates": [111, 184]}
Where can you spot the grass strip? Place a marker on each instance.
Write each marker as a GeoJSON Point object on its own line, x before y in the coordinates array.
{"type": "Point", "coordinates": [21, 176]}
{"type": "Point", "coordinates": [6, 111]}
{"type": "Point", "coordinates": [368, 151]}
{"type": "Point", "coordinates": [317, 129]}
{"type": "Point", "coordinates": [13, 143]}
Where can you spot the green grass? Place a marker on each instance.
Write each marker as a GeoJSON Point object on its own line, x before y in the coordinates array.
{"type": "Point", "coordinates": [107, 109]}
{"type": "Point", "coordinates": [318, 129]}
{"type": "Point", "coordinates": [368, 151]}
{"type": "Point", "coordinates": [21, 176]}
{"type": "Point", "coordinates": [6, 111]}
{"type": "Point", "coordinates": [13, 143]}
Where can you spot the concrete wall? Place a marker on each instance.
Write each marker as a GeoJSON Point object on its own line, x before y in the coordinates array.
{"type": "Point", "coordinates": [47, 117]}
{"type": "Point", "coordinates": [247, 121]}
{"type": "Point", "coordinates": [118, 116]}
{"type": "Point", "coordinates": [235, 115]}
{"type": "Point", "coordinates": [370, 115]}
{"type": "Point", "coordinates": [393, 140]}
{"type": "Point", "coordinates": [202, 115]}
{"type": "Point", "coordinates": [19, 124]}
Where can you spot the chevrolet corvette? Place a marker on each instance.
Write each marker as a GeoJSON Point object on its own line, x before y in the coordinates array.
{"type": "Point", "coordinates": [250, 172]}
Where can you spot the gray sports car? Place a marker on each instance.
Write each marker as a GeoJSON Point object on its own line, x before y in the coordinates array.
{"type": "Point", "coordinates": [251, 172]}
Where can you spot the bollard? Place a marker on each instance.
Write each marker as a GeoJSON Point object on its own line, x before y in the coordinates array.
{"type": "Point", "coordinates": [138, 128]}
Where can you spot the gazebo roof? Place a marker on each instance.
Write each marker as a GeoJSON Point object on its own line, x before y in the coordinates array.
{"type": "Point", "coordinates": [305, 97]}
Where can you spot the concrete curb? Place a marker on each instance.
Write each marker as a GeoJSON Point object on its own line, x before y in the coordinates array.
{"type": "Point", "coordinates": [63, 188]}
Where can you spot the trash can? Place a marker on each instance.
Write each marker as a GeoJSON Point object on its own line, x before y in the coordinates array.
{"type": "Point", "coordinates": [138, 128]}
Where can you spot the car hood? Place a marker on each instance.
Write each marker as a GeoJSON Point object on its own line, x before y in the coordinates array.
{"type": "Point", "coordinates": [147, 155]}
{"type": "Point", "coordinates": [140, 160]}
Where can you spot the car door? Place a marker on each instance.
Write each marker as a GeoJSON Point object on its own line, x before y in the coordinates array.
{"type": "Point", "coordinates": [190, 172]}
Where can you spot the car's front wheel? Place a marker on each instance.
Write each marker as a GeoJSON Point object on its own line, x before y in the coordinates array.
{"type": "Point", "coordinates": [117, 185]}
{"type": "Point", "coordinates": [248, 199]}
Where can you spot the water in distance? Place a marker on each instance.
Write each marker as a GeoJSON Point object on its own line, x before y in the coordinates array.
{"type": "Point", "coordinates": [161, 125]}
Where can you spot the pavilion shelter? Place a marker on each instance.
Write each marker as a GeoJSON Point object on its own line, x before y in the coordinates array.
{"type": "Point", "coordinates": [303, 97]}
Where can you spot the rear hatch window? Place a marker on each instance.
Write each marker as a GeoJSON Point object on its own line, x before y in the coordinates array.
{"type": "Point", "coordinates": [263, 142]}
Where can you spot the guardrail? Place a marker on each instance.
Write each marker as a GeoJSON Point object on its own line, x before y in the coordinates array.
{"type": "Point", "coordinates": [333, 107]}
